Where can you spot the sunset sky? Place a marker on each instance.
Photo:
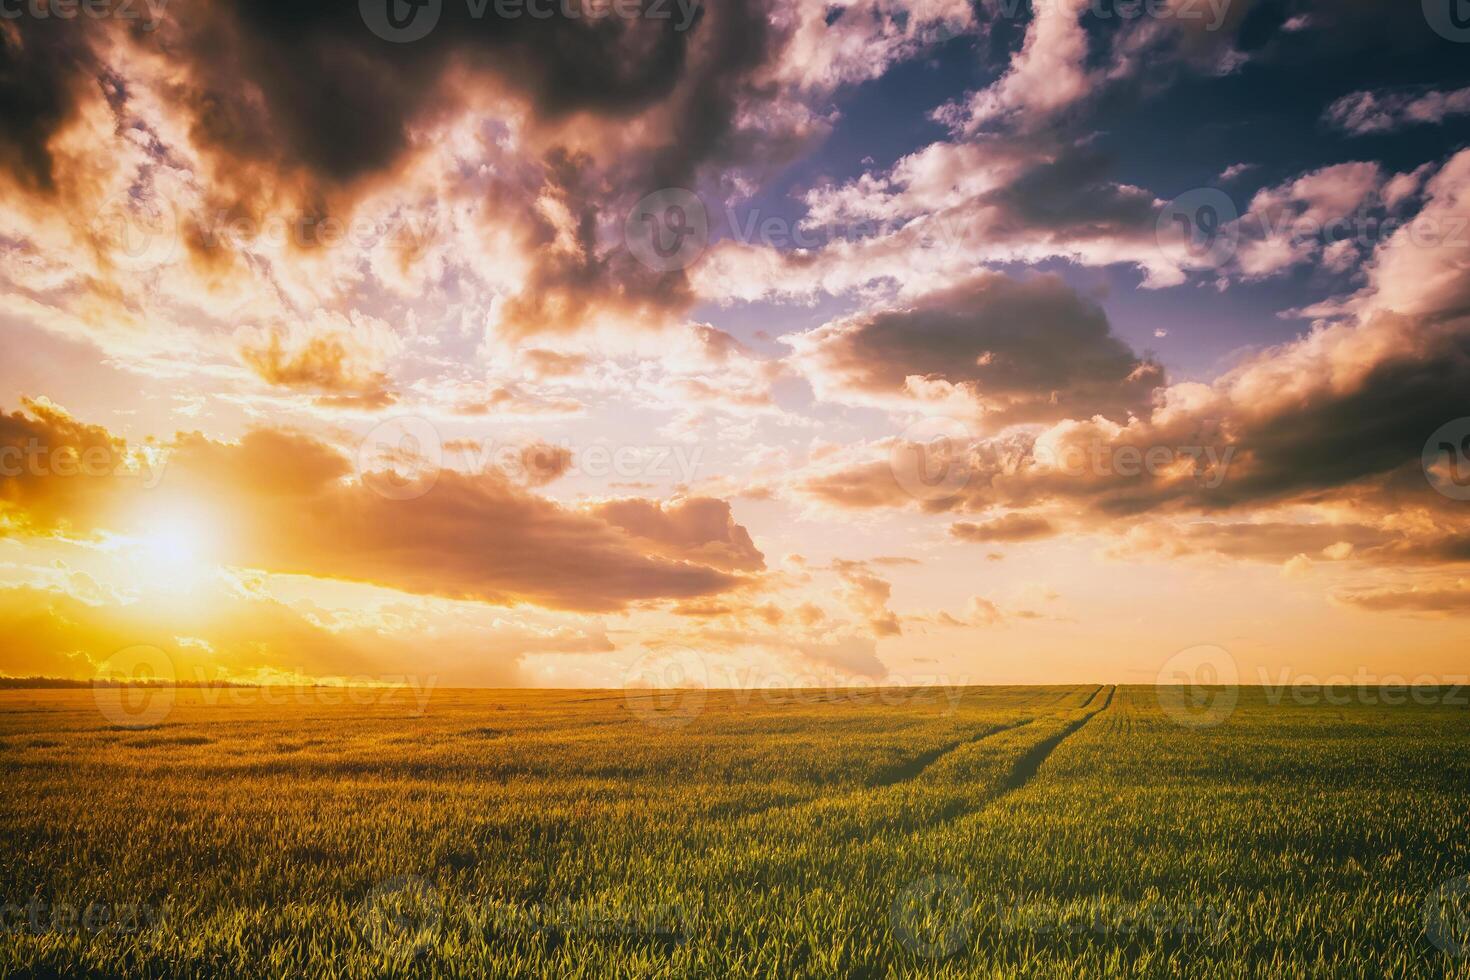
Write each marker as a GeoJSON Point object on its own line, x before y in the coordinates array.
{"type": "Point", "coordinates": [781, 342]}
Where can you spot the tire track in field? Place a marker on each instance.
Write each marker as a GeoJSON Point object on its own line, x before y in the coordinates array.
{"type": "Point", "coordinates": [907, 770]}
{"type": "Point", "coordinates": [1026, 767]}
{"type": "Point", "coordinates": [914, 768]}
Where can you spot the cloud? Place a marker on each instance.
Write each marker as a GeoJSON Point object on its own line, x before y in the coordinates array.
{"type": "Point", "coordinates": [47, 68]}
{"type": "Point", "coordinates": [979, 611]}
{"type": "Point", "coordinates": [1335, 420]}
{"type": "Point", "coordinates": [1273, 541]}
{"type": "Point", "coordinates": [542, 463]}
{"type": "Point", "coordinates": [512, 399]}
{"type": "Point", "coordinates": [945, 210]}
{"type": "Point", "coordinates": [337, 359]}
{"type": "Point", "coordinates": [1288, 224]}
{"type": "Point", "coordinates": [520, 143]}
{"type": "Point", "coordinates": [1012, 350]}
{"type": "Point", "coordinates": [1009, 528]}
{"type": "Point", "coordinates": [286, 502]}
{"type": "Point", "coordinates": [869, 594]}
{"type": "Point", "coordinates": [850, 654]}
{"type": "Point", "coordinates": [58, 474]}
{"type": "Point", "coordinates": [1364, 113]}
{"type": "Point", "coordinates": [699, 529]}
{"type": "Point", "coordinates": [1046, 76]}
{"type": "Point", "coordinates": [470, 536]}
{"type": "Point", "coordinates": [1452, 599]}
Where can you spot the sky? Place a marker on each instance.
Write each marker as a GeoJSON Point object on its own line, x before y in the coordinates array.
{"type": "Point", "coordinates": [759, 343]}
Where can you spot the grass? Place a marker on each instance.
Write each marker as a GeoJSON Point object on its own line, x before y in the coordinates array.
{"type": "Point", "coordinates": [1057, 832]}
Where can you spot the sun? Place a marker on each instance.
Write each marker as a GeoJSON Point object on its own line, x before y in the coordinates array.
{"type": "Point", "coordinates": [170, 552]}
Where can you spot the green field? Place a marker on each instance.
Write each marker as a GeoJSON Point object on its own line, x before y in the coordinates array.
{"type": "Point", "coordinates": [1040, 832]}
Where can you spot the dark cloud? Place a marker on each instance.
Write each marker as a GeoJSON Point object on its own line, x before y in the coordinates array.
{"type": "Point", "coordinates": [297, 109]}
{"type": "Point", "coordinates": [1070, 194]}
{"type": "Point", "coordinates": [1023, 350]}
{"type": "Point", "coordinates": [1009, 527]}
{"type": "Point", "coordinates": [45, 65]}
{"type": "Point", "coordinates": [698, 529]}
{"type": "Point", "coordinates": [1376, 426]}
{"type": "Point", "coordinates": [310, 85]}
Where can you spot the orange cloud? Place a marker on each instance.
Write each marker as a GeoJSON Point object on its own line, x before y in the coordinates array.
{"type": "Point", "coordinates": [57, 473]}
{"type": "Point", "coordinates": [294, 504]}
{"type": "Point", "coordinates": [1010, 527]}
{"type": "Point", "coordinates": [324, 362]}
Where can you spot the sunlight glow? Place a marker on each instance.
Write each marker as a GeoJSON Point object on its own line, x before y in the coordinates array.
{"type": "Point", "coordinates": [170, 552]}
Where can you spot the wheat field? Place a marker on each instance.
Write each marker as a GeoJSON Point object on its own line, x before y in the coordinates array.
{"type": "Point", "coordinates": [1040, 832]}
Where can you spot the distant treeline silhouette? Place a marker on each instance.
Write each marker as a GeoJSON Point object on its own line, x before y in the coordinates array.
{"type": "Point", "coordinates": [72, 682]}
